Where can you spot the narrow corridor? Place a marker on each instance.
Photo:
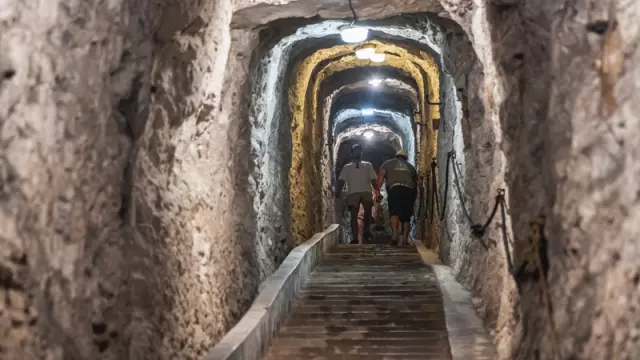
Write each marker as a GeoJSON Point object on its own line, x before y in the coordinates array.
{"type": "Point", "coordinates": [167, 165]}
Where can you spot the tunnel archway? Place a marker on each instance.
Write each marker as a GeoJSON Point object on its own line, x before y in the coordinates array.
{"type": "Point", "coordinates": [340, 63]}
{"type": "Point", "coordinates": [303, 189]}
{"type": "Point", "coordinates": [147, 149]}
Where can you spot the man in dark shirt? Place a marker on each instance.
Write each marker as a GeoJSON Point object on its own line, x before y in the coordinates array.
{"type": "Point", "coordinates": [402, 181]}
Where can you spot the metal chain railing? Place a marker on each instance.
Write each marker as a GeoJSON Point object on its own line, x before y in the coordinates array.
{"type": "Point", "coordinates": [458, 188]}
{"type": "Point", "coordinates": [535, 254]}
{"type": "Point", "coordinates": [451, 155]}
{"type": "Point", "coordinates": [456, 182]}
{"type": "Point", "coordinates": [433, 195]}
{"type": "Point", "coordinates": [420, 214]}
{"type": "Point", "coordinates": [474, 225]}
{"type": "Point", "coordinates": [477, 229]}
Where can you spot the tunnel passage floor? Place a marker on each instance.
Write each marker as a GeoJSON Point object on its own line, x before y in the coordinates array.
{"type": "Point", "coordinates": [366, 302]}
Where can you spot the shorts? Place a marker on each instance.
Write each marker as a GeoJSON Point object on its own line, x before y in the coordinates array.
{"type": "Point", "coordinates": [355, 199]}
{"type": "Point", "coordinates": [401, 200]}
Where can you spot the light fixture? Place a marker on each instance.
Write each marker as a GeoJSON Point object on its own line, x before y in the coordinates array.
{"type": "Point", "coordinates": [375, 82]}
{"type": "Point", "coordinates": [367, 112]}
{"type": "Point", "coordinates": [377, 57]}
{"type": "Point", "coordinates": [368, 134]}
{"type": "Point", "coordinates": [354, 35]}
{"type": "Point", "coordinates": [365, 53]}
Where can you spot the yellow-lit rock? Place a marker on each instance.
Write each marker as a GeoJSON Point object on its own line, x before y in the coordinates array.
{"type": "Point", "coordinates": [307, 123]}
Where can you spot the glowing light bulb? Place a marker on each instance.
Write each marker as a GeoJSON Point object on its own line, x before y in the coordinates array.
{"type": "Point", "coordinates": [377, 57]}
{"type": "Point", "coordinates": [375, 82]}
{"type": "Point", "coordinates": [368, 134]}
{"type": "Point", "coordinates": [353, 35]}
{"type": "Point", "coordinates": [365, 53]}
{"type": "Point", "coordinates": [367, 112]}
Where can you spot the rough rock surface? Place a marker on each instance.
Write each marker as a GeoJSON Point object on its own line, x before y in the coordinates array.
{"type": "Point", "coordinates": [398, 122]}
{"type": "Point", "coordinates": [143, 202]}
{"type": "Point", "coordinates": [250, 13]}
{"type": "Point", "coordinates": [590, 158]}
{"type": "Point", "coordinates": [310, 169]}
{"type": "Point", "coordinates": [66, 71]}
{"type": "Point", "coordinates": [473, 176]}
{"type": "Point", "coordinates": [564, 155]}
{"type": "Point", "coordinates": [110, 250]}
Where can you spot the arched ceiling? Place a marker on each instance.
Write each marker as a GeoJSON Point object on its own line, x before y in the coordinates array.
{"type": "Point", "coordinates": [352, 76]}
{"type": "Point", "coordinates": [325, 62]}
{"type": "Point", "coordinates": [397, 122]}
{"type": "Point", "coordinates": [346, 83]}
{"type": "Point", "coordinates": [371, 98]}
{"type": "Point", "coordinates": [284, 46]}
{"type": "Point", "coordinates": [341, 86]}
{"type": "Point", "coordinates": [341, 57]}
{"type": "Point", "coordinates": [418, 31]}
{"type": "Point", "coordinates": [314, 56]}
{"type": "Point", "coordinates": [387, 85]}
{"type": "Point", "coordinates": [395, 87]}
{"type": "Point", "coordinates": [378, 133]}
{"type": "Point", "coordinates": [248, 14]}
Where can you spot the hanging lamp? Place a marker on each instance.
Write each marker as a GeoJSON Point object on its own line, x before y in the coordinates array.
{"type": "Point", "coordinates": [352, 34]}
{"type": "Point", "coordinates": [377, 57]}
{"type": "Point", "coordinates": [365, 53]}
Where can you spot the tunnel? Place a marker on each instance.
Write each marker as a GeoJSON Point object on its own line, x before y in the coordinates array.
{"type": "Point", "coordinates": [168, 175]}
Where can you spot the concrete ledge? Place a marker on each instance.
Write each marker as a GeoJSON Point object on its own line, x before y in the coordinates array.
{"type": "Point", "coordinates": [253, 334]}
{"type": "Point", "coordinates": [468, 338]}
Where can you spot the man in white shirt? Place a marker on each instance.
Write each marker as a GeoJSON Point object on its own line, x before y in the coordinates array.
{"type": "Point", "coordinates": [361, 180]}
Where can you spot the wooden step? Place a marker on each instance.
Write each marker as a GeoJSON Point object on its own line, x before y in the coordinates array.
{"type": "Point", "coordinates": [366, 302]}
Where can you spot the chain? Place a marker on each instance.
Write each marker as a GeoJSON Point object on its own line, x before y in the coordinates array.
{"type": "Point", "coordinates": [420, 212]}
{"type": "Point", "coordinates": [535, 254]}
{"type": "Point", "coordinates": [450, 156]}
{"type": "Point", "coordinates": [435, 206]}
{"type": "Point", "coordinates": [505, 234]}
{"type": "Point", "coordinates": [456, 181]}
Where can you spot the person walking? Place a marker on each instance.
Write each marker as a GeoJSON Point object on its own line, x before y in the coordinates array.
{"type": "Point", "coordinates": [360, 178]}
{"type": "Point", "coordinates": [361, 214]}
{"type": "Point", "coordinates": [401, 182]}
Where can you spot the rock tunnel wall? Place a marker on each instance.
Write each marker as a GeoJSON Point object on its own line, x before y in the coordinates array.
{"type": "Point", "coordinates": [575, 169]}
{"type": "Point", "coordinates": [195, 259]}
{"type": "Point", "coordinates": [67, 70]}
{"type": "Point", "coordinates": [131, 206]}
{"type": "Point", "coordinates": [468, 130]}
{"type": "Point", "coordinates": [562, 157]}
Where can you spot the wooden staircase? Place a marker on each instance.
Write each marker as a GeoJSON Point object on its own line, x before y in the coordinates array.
{"type": "Point", "coordinates": [366, 302]}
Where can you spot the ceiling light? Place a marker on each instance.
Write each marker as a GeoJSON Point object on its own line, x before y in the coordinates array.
{"type": "Point", "coordinates": [367, 112]}
{"type": "Point", "coordinates": [353, 35]}
{"type": "Point", "coordinates": [377, 57]}
{"type": "Point", "coordinates": [375, 82]}
{"type": "Point", "coordinates": [365, 53]}
{"type": "Point", "coordinates": [368, 134]}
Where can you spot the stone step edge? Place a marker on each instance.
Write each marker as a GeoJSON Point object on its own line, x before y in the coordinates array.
{"type": "Point", "coordinates": [253, 334]}
{"type": "Point", "coordinates": [464, 326]}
